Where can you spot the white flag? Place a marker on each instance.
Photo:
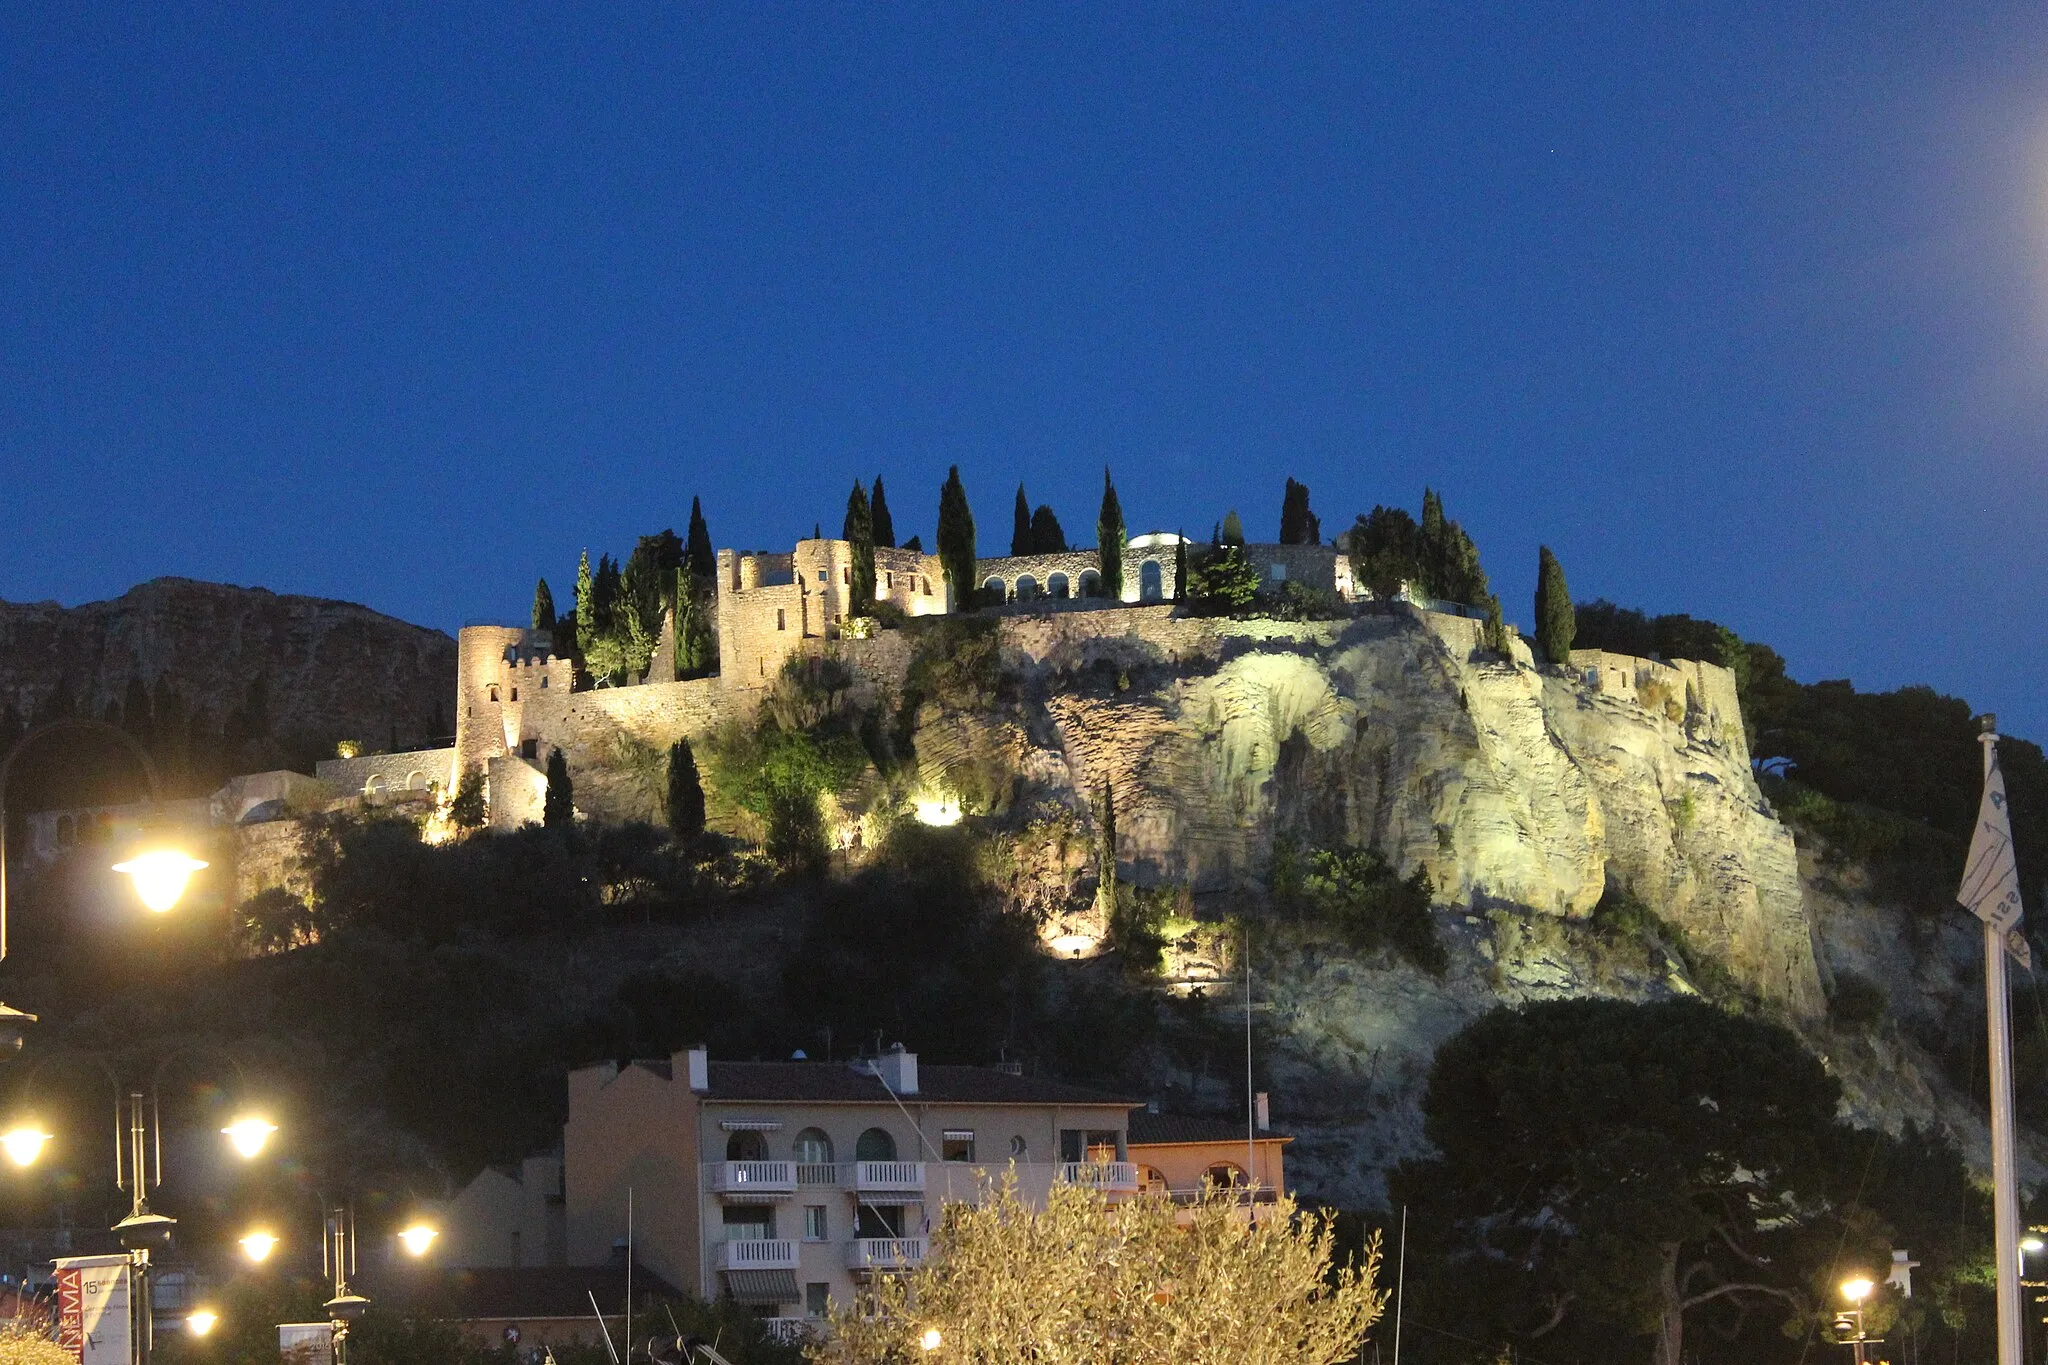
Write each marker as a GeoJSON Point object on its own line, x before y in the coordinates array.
{"type": "Point", "coordinates": [1991, 879]}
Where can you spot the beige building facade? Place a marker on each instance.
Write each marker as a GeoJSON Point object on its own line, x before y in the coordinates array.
{"type": "Point", "coordinates": [787, 1185]}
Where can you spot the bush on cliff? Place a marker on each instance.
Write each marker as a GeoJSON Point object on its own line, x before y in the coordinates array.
{"type": "Point", "coordinates": [1355, 891]}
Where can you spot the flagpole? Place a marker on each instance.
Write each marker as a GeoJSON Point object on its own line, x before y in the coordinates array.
{"type": "Point", "coordinates": [2005, 1215]}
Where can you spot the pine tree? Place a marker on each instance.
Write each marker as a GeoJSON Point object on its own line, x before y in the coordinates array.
{"type": "Point", "coordinates": [543, 607]}
{"type": "Point", "coordinates": [1233, 529]}
{"type": "Point", "coordinates": [558, 807]}
{"type": "Point", "coordinates": [685, 792]}
{"type": "Point", "coordinates": [956, 540]}
{"type": "Point", "coordinates": [1020, 534]}
{"type": "Point", "coordinates": [697, 551]}
{"type": "Point", "coordinates": [1047, 536]}
{"type": "Point", "coordinates": [1298, 525]}
{"type": "Point", "coordinates": [878, 511]}
{"type": "Point", "coordinates": [1110, 540]}
{"type": "Point", "coordinates": [860, 534]}
{"type": "Point", "coordinates": [1556, 623]}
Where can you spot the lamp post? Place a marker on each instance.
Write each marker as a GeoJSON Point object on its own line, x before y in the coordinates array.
{"type": "Point", "coordinates": [160, 874]}
{"type": "Point", "coordinates": [1848, 1326]}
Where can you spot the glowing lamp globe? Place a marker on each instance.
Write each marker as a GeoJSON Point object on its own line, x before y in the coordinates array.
{"type": "Point", "coordinates": [932, 1339]}
{"type": "Point", "coordinates": [201, 1322]}
{"type": "Point", "coordinates": [23, 1145]}
{"type": "Point", "coordinates": [257, 1246]}
{"type": "Point", "coordinates": [417, 1238]}
{"type": "Point", "coordinates": [1857, 1290]}
{"type": "Point", "coordinates": [248, 1135]}
{"type": "Point", "coordinates": [160, 876]}
{"type": "Point", "coordinates": [2031, 1245]}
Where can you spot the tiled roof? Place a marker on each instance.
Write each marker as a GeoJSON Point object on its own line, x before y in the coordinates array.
{"type": "Point", "coordinates": [838, 1083]}
{"type": "Point", "coordinates": [1159, 1128]}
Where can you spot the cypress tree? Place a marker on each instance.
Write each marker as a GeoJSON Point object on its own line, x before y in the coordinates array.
{"type": "Point", "coordinates": [685, 792]}
{"type": "Point", "coordinates": [915, 544]}
{"type": "Point", "coordinates": [1495, 635]}
{"type": "Point", "coordinates": [1233, 529]}
{"type": "Point", "coordinates": [1020, 534]}
{"type": "Point", "coordinates": [696, 647]}
{"type": "Point", "coordinates": [956, 540]}
{"type": "Point", "coordinates": [1180, 568]}
{"type": "Point", "coordinates": [558, 807]}
{"type": "Point", "coordinates": [860, 534]}
{"type": "Point", "coordinates": [1106, 869]}
{"type": "Point", "coordinates": [586, 605]}
{"type": "Point", "coordinates": [1047, 536]}
{"type": "Point", "coordinates": [1298, 525]}
{"type": "Point", "coordinates": [878, 511]}
{"type": "Point", "coordinates": [1110, 540]}
{"type": "Point", "coordinates": [697, 552]}
{"type": "Point", "coordinates": [543, 607]}
{"type": "Point", "coordinates": [1556, 623]}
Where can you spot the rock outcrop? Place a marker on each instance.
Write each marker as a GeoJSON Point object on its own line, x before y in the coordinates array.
{"type": "Point", "coordinates": [330, 669]}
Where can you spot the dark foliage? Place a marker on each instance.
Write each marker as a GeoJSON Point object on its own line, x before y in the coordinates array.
{"type": "Point", "coordinates": [558, 806]}
{"type": "Point", "coordinates": [685, 802]}
{"type": "Point", "coordinates": [543, 607]}
{"type": "Point", "coordinates": [1556, 623]}
{"type": "Point", "coordinates": [1298, 525]}
{"type": "Point", "coordinates": [1110, 540]}
{"type": "Point", "coordinates": [1355, 891]}
{"type": "Point", "coordinates": [956, 538]}
{"type": "Point", "coordinates": [882, 524]}
{"type": "Point", "coordinates": [698, 555]}
{"type": "Point", "coordinates": [1020, 528]}
{"type": "Point", "coordinates": [1047, 537]}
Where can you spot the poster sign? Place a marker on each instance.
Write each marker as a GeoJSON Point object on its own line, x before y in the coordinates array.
{"type": "Point", "coordinates": [93, 1319]}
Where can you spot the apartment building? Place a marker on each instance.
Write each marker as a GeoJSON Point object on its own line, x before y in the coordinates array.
{"type": "Point", "coordinates": [787, 1184]}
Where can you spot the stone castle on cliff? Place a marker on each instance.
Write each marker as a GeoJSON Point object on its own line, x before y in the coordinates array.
{"type": "Point", "coordinates": [516, 699]}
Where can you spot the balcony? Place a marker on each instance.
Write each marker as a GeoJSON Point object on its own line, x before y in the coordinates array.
{"type": "Point", "coordinates": [753, 1179]}
{"type": "Point", "coordinates": [871, 1254]}
{"type": "Point", "coordinates": [773, 1253]}
{"type": "Point", "coordinates": [885, 1177]}
{"type": "Point", "coordinates": [791, 1331]}
{"type": "Point", "coordinates": [1114, 1176]}
{"type": "Point", "coordinates": [817, 1173]}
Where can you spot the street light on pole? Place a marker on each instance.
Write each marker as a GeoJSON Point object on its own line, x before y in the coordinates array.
{"type": "Point", "coordinates": [160, 874]}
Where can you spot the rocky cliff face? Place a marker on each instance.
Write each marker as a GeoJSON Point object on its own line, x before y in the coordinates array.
{"type": "Point", "coordinates": [330, 669]}
{"type": "Point", "coordinates": [1517, 789]}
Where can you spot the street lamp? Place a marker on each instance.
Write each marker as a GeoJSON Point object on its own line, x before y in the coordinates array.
{"type": "Point", "coordinates": [201, 1322]}
{"type": "Point", "coordinates": [932, 1339]}
{"type": "Point", "coordinates": [1848, 1324]}
{"type": "Point", "coordinates": [258, 1245]}
{"type": "Point", "coordinates": [417, 1238]}
{"type": "Point", "coordinates": [160, 875]}
{"type": "Point", "coordinates": [248, 1134]}
{"type": "Point", "coordinates": [23, 1144]}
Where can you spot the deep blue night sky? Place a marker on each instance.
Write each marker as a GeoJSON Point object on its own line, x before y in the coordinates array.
{"type": "Point", "coordinates": [1744, 314]}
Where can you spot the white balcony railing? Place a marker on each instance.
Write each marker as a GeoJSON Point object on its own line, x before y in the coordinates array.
{"type": "Point", "coordinates": [885, 1253]}
{"type": "Point", "coordinates": [1100, 1175]}
{"type": "Point", "coordinates": [885, 1177]}
{"type": "Point", "coordinates": [757, 1253]}
{"type": "Point", "coordinates": [754, 1178]}
{"type": "Point", "coordinates": [816, 1173]}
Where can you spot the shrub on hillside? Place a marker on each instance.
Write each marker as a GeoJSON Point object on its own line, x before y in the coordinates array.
{"type": "Point", "coordinates": [1858, 1002]}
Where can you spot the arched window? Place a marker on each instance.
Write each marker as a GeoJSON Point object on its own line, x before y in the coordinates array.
{"type": "Point", "coordinates": [1091, 583]}
{"type": "Point", "coordinates": [994, 587]}
{"type": "Point", "coordinates": [1224, 1173]}
{"type": "Point", "coordinates": [415, 781]}
{"type": "Point", "coordinates": [1018, 1146]}
{"type": "Point", "coordinates": [1149, 581]}
{"type": "Point", "coordinates": [494, 691]}
{"type": "Point", "coordinates": [875, 1145]}
{"type": "Point", "coordinates": [374, 785]}
{"type": "Point", "coordinates": [1150, 1180]}
{"type": "Point", "coordinates": [746, 1146]}
{"type": "Point", "coordinates": [1027, 588]}
{"type": "Point", "coordinates": [1056, 587]}
{"type": "Point", "coordinates": [813, 1147]}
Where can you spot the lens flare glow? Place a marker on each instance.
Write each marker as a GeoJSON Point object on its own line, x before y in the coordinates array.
{"type": "Point", "coordinates": [248, 1134]}
{"type": "Point", "coordinates": [1073, 945]}
{"type": "Point", "coordinates": [257, 1246]}
{"type": "Point", "coordinates": [417, 1238]}
{"type": "Point", "coordinates": [201, 1322]}
{"type": "Point", "coordinates": [932, 1339]}
{"type": "Point", "coordinates": [2030, 1245]}
{"type": "Point", "coordinates": [23, 1145]}
{"type": "Point", "coordinates": [1857, 1290]}
{"type": "Point", "coordinates": [160, 876]}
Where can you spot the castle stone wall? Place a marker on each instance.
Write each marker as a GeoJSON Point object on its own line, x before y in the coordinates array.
{"type": "Point", "coordinates": [374, 775]}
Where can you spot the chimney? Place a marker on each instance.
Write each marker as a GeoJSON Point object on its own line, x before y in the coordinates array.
{"type": "Point", "coordinates": [699, 1068]}
{"type": "Point", "coordinates": [898, 1070]}
{"type": "Point", "coordinates": [1262, 1113]}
